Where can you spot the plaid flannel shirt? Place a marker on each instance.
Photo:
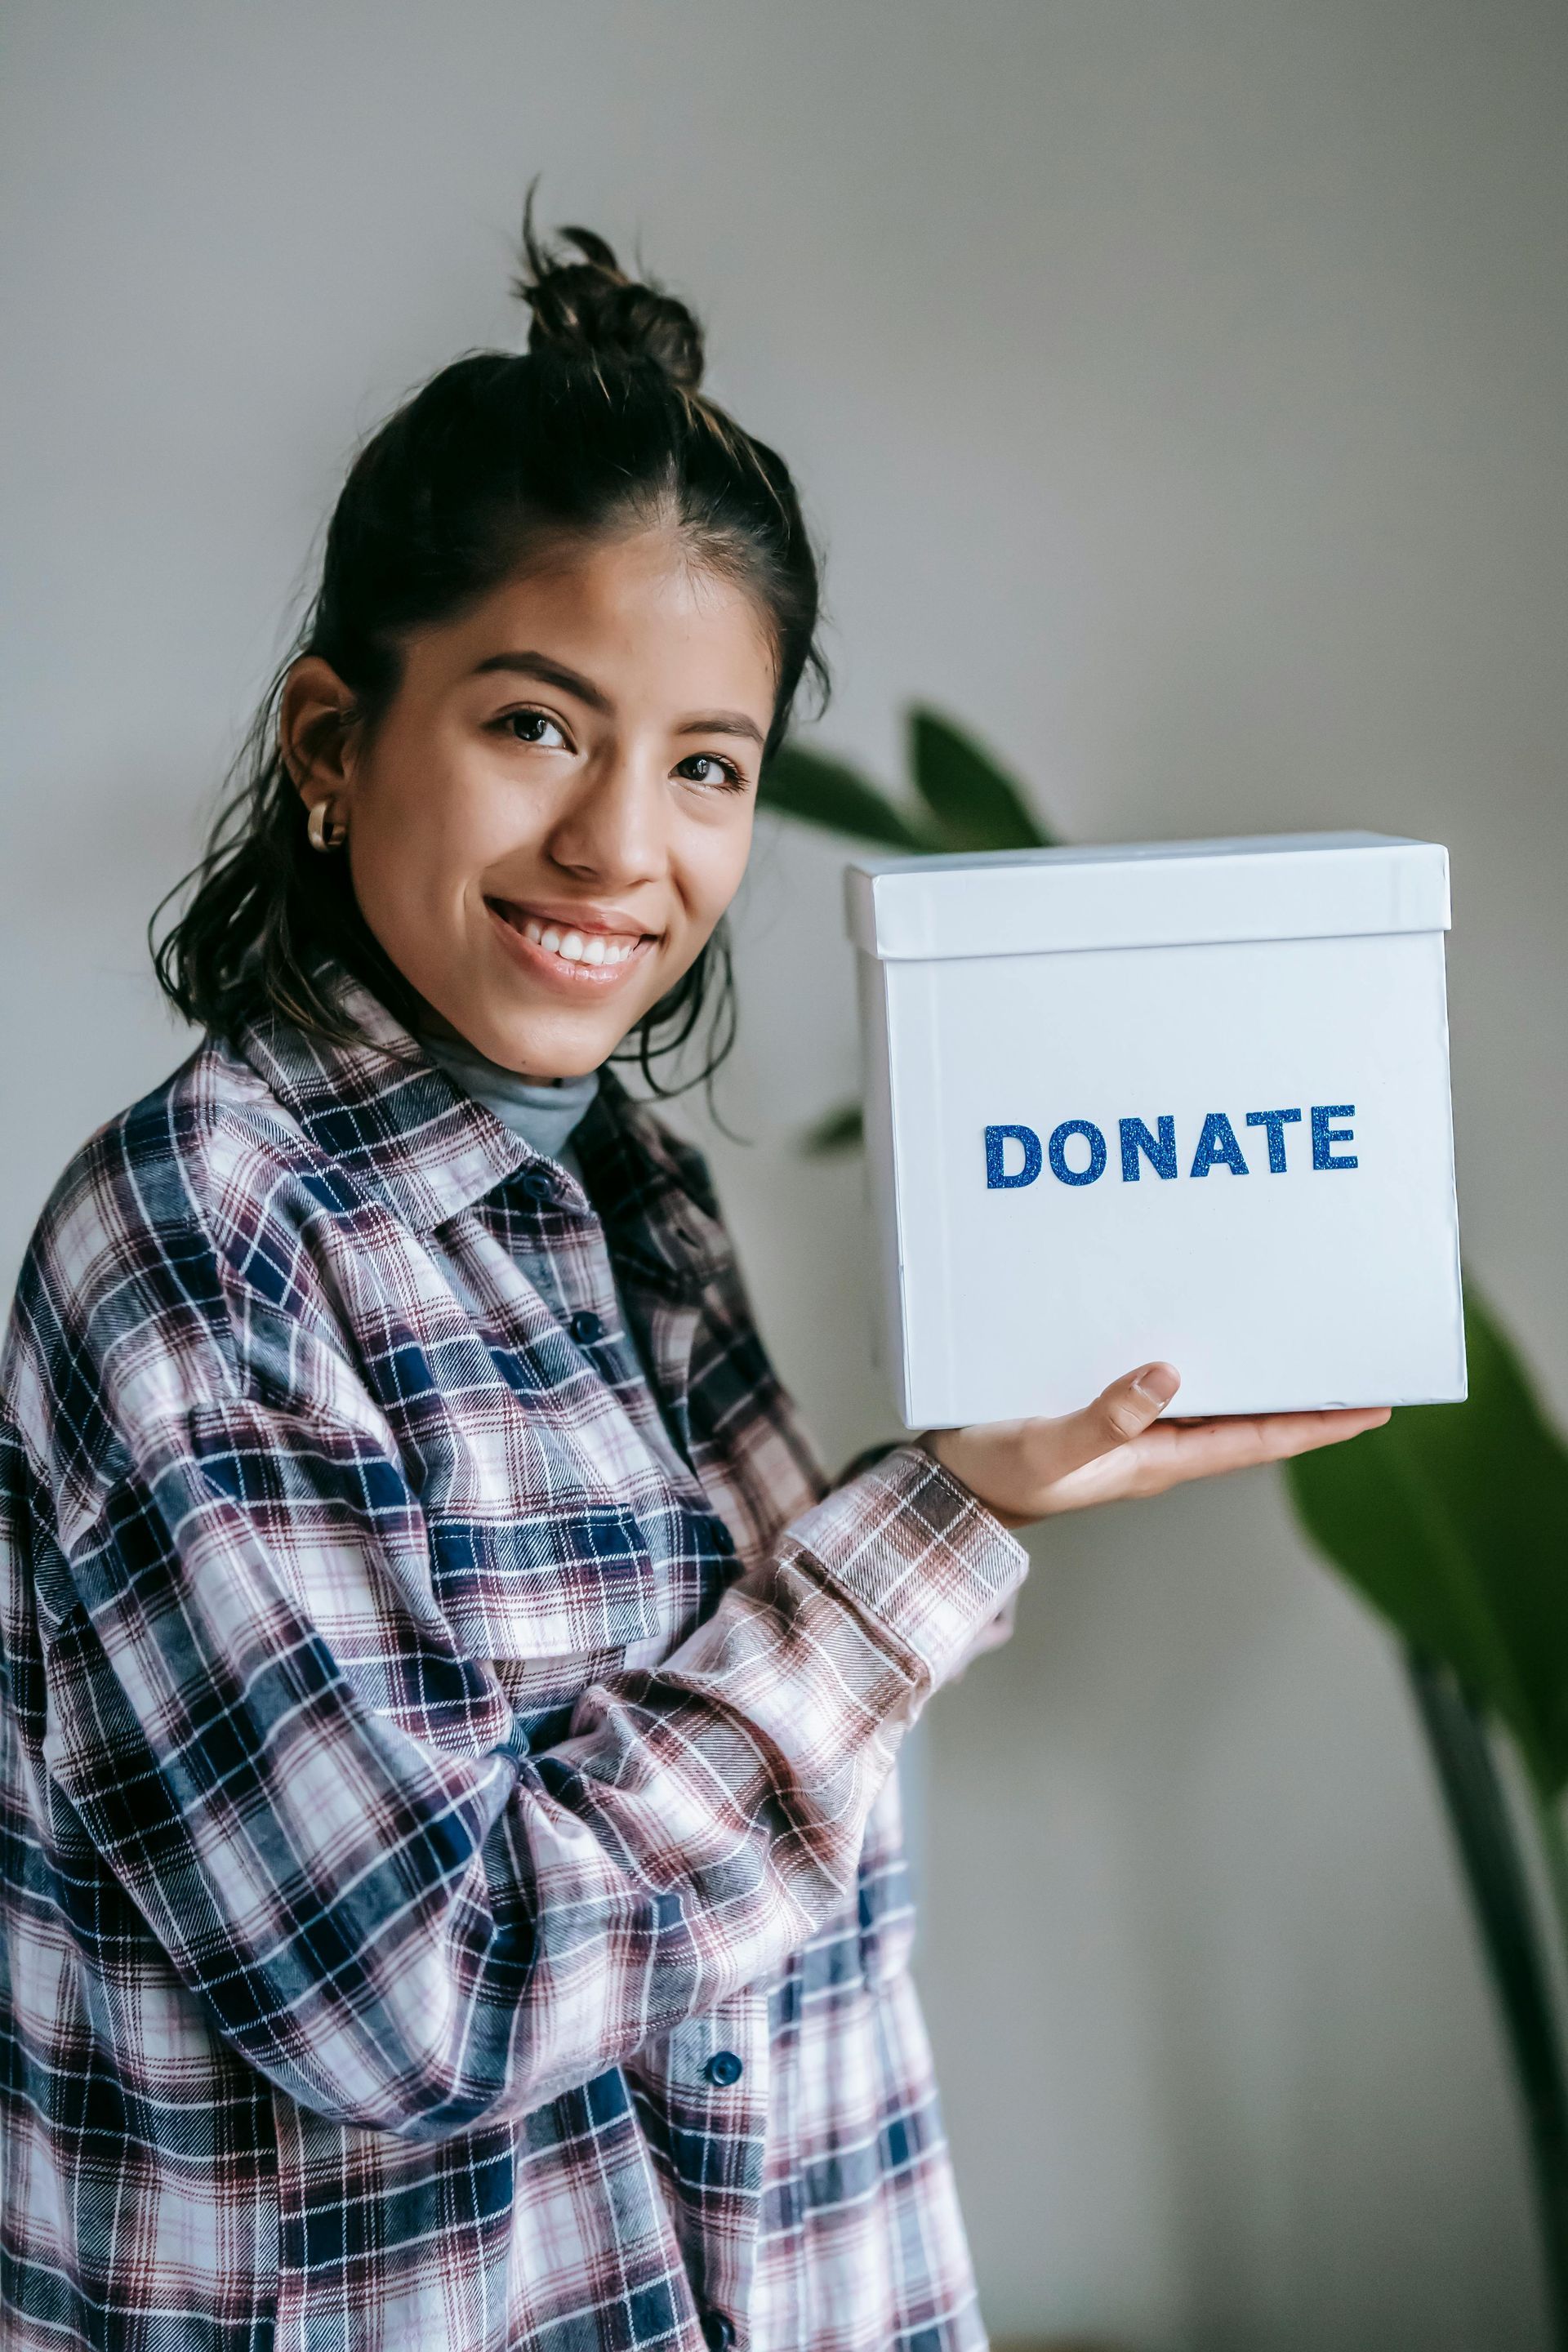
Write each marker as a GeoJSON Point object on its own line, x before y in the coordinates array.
{"type": "Point", "coordinates": [451, 1893]}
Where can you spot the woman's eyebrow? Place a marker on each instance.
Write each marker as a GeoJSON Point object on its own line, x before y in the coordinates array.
{"type": "Point", "coordinates": [571, 681]}
{"type": "Point", "coordinates": [723, 722]}
{"type": "Point", "coordinates": [549, 673]}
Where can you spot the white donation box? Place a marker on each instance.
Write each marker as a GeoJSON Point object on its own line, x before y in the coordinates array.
{"type": "Point", "coordinates": [1176, 1100]}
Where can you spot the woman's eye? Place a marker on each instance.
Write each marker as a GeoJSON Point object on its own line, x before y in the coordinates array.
{"type": "Point", "coordinates": [534, 727]}
{"type": "Point", "coordinates": [706, 768]}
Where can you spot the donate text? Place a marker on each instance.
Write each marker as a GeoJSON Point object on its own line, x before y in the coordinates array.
{"type": "Point", "coordinates": [1076, 1150]}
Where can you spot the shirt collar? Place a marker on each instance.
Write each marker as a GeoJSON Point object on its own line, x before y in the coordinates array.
{"type": "Point", "coordinates": [400, 1127]}
{"type": "Point", "coordinates": [652, 1190]}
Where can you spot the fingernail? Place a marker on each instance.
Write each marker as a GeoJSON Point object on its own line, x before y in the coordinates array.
{"type": "Point", "coordinates": [1158, 1382]}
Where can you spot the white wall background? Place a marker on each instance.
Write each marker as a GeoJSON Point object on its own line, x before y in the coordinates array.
{"type": "Point", "coordinates": [1179, 386]}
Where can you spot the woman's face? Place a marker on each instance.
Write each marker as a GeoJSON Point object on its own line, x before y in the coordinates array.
{"type": "Point", "coordinates": [555, 810]}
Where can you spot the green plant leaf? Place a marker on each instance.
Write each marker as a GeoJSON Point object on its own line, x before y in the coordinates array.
{"type": "Point", "coordinates": [976, 803]}
{"type": "Point", "coordinates": [823, 792]}
{"type": "Point", "coordinates": [1452, 1520]}
{"type": "Point", "coordinates": [842, 1129]}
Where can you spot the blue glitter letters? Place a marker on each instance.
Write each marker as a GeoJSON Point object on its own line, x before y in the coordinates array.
{"type": "Point", "coordinates": [1091, 1135]}
{"type": "Point", "coordinates": [1161, 1155]}
{"type": "Point", "coordinates": [1217, 1146]}
{"type": "Point", "coordinates": [1325, 1136]}
{"type": "Point", "coordinates": [996, 1176]}
{"type": "Point", "coordinates": [1275, 1121]}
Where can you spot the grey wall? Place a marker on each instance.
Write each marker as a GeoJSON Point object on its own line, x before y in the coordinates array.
{"type": "Point", "coordinates": [1179, 386]}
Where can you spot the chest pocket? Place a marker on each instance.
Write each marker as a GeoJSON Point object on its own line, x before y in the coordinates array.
{"type": "Point", "coordinates": [549, 1540]}
{"type": "Point", "coordinates": [553, 1529]}
{"type": "Point", "coordinates": [540, 1582]}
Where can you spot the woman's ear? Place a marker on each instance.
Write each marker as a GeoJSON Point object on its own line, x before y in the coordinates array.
{"type": "Point", "coordinates": [315, 733]}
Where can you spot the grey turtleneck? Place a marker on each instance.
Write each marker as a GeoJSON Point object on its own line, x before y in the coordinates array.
{"type": "Point", "coordinates": [544, 1112]}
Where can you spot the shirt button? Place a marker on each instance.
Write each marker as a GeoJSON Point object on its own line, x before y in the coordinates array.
{"type": "Point", "coordinates": [724, 2068]}
{"type": "Point", "coordinates": [718, 2332]}
{"type": "Point", "coordinates": [538, 1185]}
{"type": "Point", "coordinates": [586, 1327]}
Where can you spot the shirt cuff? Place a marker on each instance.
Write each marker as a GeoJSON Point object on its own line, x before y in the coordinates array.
{"type": "Point", "coordinates": [916, 1552]}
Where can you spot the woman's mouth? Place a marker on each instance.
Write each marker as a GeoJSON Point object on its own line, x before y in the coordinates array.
{"type": "Point", "coordinates": [558, 950]}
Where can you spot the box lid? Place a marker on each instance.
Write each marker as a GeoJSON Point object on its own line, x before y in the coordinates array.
{"type": "Point", "coordinates": [1145, 894]}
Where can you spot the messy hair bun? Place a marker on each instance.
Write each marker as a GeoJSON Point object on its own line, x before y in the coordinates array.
{"type": "Point", "coordinates": [600, 426]}
{"type": "Point", "coordinates": [589, 310]}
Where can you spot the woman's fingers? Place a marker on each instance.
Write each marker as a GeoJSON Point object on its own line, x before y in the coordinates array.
{"type": "Point", "coordinates": [1119, 1414]}
{"type": "Point", "coordinates": [1016, 1466]}
{"type": "Point", "coordinates": [1208, 1449]}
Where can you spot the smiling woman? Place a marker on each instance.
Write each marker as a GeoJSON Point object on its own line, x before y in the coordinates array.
{"type": "Point", "coordinates": [450, 1879]}
{"type": "Point", "coordinates": [566, 607]}
{"type": "Point", "coordinates": [546, 825]}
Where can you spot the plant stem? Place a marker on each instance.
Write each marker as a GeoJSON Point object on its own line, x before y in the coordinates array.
{"type": "Point", "coordinates": [1499, 1892]}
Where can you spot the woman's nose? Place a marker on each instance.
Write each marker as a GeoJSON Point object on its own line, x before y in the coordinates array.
{"type": "Point", "coordinates": [611, 828]}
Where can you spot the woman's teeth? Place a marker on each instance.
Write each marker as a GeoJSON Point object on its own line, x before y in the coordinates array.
{"type": "Point", "coordinates": [572, 947]}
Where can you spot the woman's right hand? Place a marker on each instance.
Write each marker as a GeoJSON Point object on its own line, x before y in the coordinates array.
{"type": "Point", "coordinates": [1117, 1448]}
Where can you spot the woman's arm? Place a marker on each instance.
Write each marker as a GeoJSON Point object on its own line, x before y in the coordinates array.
{"type": "Point", "coordinates": [1117, 1449]}
{"type": "Point", "coordinates": [418, 1935]}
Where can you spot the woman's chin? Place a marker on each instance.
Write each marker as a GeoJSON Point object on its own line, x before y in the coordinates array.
{"type": "Point", "coordinates": [539, 1033]}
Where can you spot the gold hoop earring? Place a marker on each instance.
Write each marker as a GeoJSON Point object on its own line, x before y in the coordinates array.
{"type": "Point", "coordinates": [326, 832]}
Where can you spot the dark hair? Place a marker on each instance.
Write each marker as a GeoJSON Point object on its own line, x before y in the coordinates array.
{"type": "Point", "coordinates": [601, 425]}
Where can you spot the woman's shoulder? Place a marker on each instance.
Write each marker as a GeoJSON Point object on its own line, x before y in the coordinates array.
{"type": "Point", "coordinates": [175, 1166]}
{"type": "Point", "coordinates": [131, 1260]}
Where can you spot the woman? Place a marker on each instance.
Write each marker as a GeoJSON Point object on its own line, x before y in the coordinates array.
{"type": "Point", "coordinates": [452, 1894]}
